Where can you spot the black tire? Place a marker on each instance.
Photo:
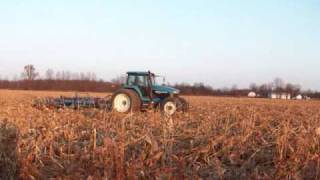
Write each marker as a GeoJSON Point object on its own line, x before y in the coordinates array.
{"type": "Point", "coordinates": [183, 105]}
{"type": "Point", "coordinates": [174, 101]}
{"type": "Point", "coordinates": [135, 101]}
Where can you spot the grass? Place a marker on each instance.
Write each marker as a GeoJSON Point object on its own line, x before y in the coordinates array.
{"type": "Point", "coordinates": [220, 138]}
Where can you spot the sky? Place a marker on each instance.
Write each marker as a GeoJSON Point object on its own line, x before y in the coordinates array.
{"type": "Point", "coordinates": [220, 43]}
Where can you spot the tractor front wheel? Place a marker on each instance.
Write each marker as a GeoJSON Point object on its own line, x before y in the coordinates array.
{"type": "Point", "coordinates": [125, 100]}
{"type": "Point", "coordinates": [169, 106]}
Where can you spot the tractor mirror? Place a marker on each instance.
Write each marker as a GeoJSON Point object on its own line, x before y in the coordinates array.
{"type": "Point", "coordinates": [163, 81]}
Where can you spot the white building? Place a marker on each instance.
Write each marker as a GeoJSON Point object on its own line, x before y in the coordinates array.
{"type": "Point", "coordinates": [299, 97]}
{"type": "Point", "coordinates": [252, 94]}
{"type": "Point", "coordinates": [285, 96]}
{"type": "Point", "coordinates": [275, 95]}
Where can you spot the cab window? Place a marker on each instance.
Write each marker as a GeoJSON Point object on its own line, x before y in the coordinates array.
{"type": "Point", "coordinates": [137, 80]}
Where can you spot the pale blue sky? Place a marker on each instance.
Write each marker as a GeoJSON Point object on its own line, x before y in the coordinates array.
{"type": "Point", "coordinates": [220, 43]}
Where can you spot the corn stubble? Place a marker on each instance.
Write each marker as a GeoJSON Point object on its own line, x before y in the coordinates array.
{"type": "Point", "coordinates": [220, 138]}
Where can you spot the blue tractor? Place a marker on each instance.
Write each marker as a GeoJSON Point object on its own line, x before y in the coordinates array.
{"type": "Point", "coordinates": [141, 92]}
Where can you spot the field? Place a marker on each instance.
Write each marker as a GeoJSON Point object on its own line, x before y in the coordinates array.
{"type": "Point", "coordinates": [220, 138]}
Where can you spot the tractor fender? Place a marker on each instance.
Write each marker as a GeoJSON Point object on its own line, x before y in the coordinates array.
{"type": "Point", "coordinates": [136, 89]}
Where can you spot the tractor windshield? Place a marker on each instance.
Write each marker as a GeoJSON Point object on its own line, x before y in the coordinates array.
{"type": "Point", "coordinates": [143, 81]}
{"type": "Point", "coordinates": [137, 80]}
{"type": "Point", "coordinates": [157, 80]}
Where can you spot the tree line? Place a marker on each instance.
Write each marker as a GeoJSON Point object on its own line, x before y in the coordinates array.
{"type": "Point", "coordinates": [30, 79]}
{"type": "Point", "coordinates": [278, 86]}
{"type": "Point", "coordinates": [52, 80]}
{"type": "Point", "coordinates": [263, 90]}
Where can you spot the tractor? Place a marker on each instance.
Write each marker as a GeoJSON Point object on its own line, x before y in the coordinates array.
{"type": "Point", "coordinates": [141, 92]}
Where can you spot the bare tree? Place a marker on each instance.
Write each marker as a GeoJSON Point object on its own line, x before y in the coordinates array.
{"type": "Point", "coordinates": [30, 72]}
{"type": "Point", "coordinates": [92, 76]}
{"type": "Point", "coordinates": [75, 76]}
{"type": "Point", "coordinates": [254, 87]}
{"type": "Point", "coordinates": [119, 79]}
{"type": "Point", "coordinates": [279, 84]}
{"type": "Point", "coordinates": [49, 74]}
{"type": "Point", "coordinates": [58, 75]}
{"type": "Point", "coordinates": [293, 89]}
{"type": "Point", "coordinates": [82, 76]}
{"type": "Point", "coordinates": [66, 75]}
{"type": "Point", "coordinates": [265, 89]}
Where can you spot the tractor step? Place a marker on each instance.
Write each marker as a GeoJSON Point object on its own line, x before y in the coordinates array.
{"type": "Point", "coordinates": [147, 106]}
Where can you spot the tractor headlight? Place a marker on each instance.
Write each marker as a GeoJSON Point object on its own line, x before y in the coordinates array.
{"type": "Point", "coordinates": [176, 92]}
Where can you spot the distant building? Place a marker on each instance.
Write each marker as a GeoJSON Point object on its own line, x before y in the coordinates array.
{"type": "Point", "coordinates": [299, 97]}
{"type": "Point", "coordinates": [252, 94]}
{"type": "Point", "coordinates": [307, 98]}
{"type": "Point", "coordinates": [275, 95]}
{"type": "Point", "coordinates": [285, 96]}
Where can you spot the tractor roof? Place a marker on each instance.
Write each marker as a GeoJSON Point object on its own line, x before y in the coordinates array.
{"type": "Point", "coordinates": [138, 73]}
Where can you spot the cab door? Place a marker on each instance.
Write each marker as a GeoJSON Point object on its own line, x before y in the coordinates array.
{"type": "Point", "coordinates": [141, 83]}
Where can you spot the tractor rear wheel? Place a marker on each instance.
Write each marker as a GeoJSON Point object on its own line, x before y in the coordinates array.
{"type": "Point", "coordinates": [125, 100]}
{"type": "Point", "coordinates": [169, 106]}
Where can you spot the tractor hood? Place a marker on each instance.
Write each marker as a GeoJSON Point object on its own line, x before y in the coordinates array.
{"type": "Point", "coordinates": [165, 90]}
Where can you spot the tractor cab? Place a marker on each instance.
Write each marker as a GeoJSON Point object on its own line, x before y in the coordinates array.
{"type": "Point", "coordinates": [141, 82]}
{"type": "Point", "coordinates": [141, 90]}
